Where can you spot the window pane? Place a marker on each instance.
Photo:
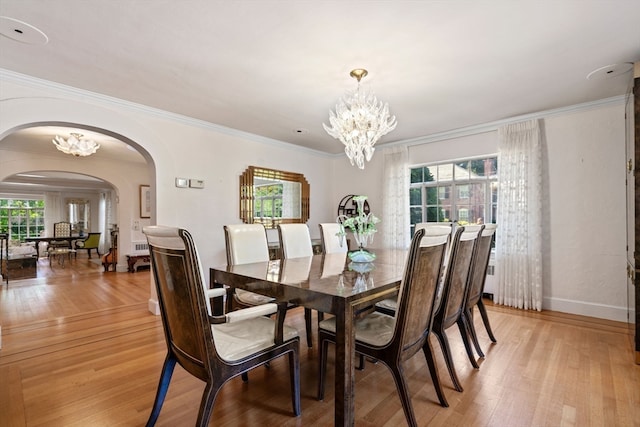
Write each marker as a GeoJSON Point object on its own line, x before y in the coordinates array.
{"type": "Point", "coordinates": [463, 192]}
{"type": "Point", "coordinates": [445, 172]}
{"type": "Point", "coordinates": [491, 168]}
{"type": "Point", "coordinates": [429, 174]}
{"type": "Point", "coordinates": [462, 171]}
{"type": "Point", "coordinates": [416, 175]}
{"type": "Point", "coordinates": [494, 192]}
{"type": "Point", "coordinates": [477, 214]}
{"type": "Point", "coordinates": [444, 214]}
{"type": "Point", "coordinates": [432, 214]}
{"type": "Point", "coordinates": [415, 215]}
{"type": "Point", "coordinates": [444, 194]}
{"type": "Point", "coordinates": [477, 168]}
{"type": "Point", "coordinates": [415, 196]}
{"type": "Point", "coordinates": [432, 195]}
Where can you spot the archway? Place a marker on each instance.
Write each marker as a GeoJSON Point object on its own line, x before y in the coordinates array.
{"type": "Point", "coordinates": [35, 152]}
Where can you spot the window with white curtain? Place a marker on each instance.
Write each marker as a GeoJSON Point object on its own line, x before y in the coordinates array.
{"type": "Point", "coordinates": [465, 191]}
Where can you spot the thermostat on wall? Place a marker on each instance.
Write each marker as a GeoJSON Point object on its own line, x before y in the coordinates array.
{"type": "Point", "coordinates": [196, 183]}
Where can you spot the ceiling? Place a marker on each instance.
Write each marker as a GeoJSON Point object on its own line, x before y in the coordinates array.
{"type": "Point", "coordinates": [276, 68]}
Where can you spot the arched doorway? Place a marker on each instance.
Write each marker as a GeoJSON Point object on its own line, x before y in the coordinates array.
{"type": "Point", "coordinates": [120, 165]}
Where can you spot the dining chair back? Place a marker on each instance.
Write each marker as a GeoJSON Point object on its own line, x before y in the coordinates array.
{"type": "Point", "coordinates": [61, 229]}
{"type": "Point", "coordinates": [476, 287]}
{"type": "Point", "coordinates": [295, 240]}
{"type": "Point", "coordinates": [389, 305]}
{"type": "Point", "coordinates": [395, 339]}
{"type": "Point", "coordinates": [246, 244]}
{"type": "Point", "coordinates": [454, 294]}
{"type": "Point", "coordinates": [211, 348]}
{"type": "Point", "coordinates": [331, 241]}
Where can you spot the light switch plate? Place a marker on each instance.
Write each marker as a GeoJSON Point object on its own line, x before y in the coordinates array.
{"type": "Point", "coordinates": [196, 183]}
{"type": "Point", "coordinates": [182, 182]}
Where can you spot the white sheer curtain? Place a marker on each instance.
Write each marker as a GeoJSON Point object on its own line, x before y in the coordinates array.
{"type": "Point", "coordinates": [105, 221]}
{"type": "Point", "coordinates": [53, 211]}
{"type": "Point", "coordinates": [395, 196]}
{"type": "Point", "coordinates": [518, 242]}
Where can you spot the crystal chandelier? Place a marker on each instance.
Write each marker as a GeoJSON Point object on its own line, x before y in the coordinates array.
{"type": "Point", "coordinates": [76, 145]}
{"type": "Point", "coordinates": [359, 122]}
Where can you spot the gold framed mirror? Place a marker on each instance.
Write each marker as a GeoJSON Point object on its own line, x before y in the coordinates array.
{"type": "Point", "coordinates": [271, 197]}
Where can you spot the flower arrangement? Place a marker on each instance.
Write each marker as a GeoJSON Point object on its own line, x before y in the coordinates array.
{"type": "Point", "coordinates": [363, 227]}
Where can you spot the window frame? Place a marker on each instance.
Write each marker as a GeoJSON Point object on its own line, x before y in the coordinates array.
{"type": "Point", "coordinates": [452, 185]}
{"type": "Point", "coordinates": [22, 225]}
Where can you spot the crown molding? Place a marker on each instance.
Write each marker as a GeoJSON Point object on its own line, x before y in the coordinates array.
{"type": "Point", "coordinates": [25, 79]}
{"type": "Point", "coordinates": [493, 126]}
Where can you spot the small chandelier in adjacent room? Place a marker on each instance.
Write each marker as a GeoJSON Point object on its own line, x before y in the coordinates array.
{"type": "Point", "coordinates": [359, 122]}
{"type": "Point", "coordinates": [76, 145]}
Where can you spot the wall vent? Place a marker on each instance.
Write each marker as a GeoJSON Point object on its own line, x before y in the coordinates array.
{"type": "Point", "coordinates": [141, 246]}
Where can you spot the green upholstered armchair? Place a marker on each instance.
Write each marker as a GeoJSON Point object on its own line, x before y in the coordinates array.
{"type": "Point", "coordinates": [91, 242]}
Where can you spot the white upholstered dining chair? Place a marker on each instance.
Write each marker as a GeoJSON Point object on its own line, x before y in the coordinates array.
{"type": "Point", "coordinates": [331, 242]}
{"type": "Point", "coordinates": [295, 242]}
{"type": "Point", "coordinates": [246, 244]}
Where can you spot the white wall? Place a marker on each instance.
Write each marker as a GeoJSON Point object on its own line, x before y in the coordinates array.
{"type": "Point", "coordinates": [585, 224]}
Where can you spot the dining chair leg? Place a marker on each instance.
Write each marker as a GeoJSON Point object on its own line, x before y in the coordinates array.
{"type": "Point", "coordinates": [403, 391]}
{"type": "Point", "coordinates": [467, 316]}
{"type": "Point", "coordinates": [485, 320]}
{"type": "Point", "coordinates": [427, 349]}
{"type": "Point", "coordinates": [309, 328]}
{"type": "Point", "coordinates": [294, 378]}
{"type": "Point", "coordinates": [206, 404]}
{"type": "Point", "coordinates": [465, 340]}
{"type": "Point", "coordinates": [163, 386]}
{"type": "Point", "coordinates": [322, 365]}
{"type": "Point", "coordinates": [446, 351]}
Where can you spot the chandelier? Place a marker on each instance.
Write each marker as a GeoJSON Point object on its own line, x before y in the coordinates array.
{"type": "Point", "coordinates": [76, 145]}
{"type": "Point", "coordinates": [359, 122]}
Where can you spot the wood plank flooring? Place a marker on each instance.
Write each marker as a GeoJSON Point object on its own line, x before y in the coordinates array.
{"type": "Point", "coordinates": [79, 348]}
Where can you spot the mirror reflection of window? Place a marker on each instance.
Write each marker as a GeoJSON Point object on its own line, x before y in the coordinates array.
{"type": "Point", "coordinates": [78, 214]}
{"type": "Point", "coordinates": [274, 199]}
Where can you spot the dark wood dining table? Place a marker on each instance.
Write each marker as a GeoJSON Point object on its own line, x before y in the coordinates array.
{"type": "Point", "coordinates": [330, 284]}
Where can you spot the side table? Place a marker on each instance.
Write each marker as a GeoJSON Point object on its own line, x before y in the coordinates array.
{"type": "Point", "coordinates": [59, 254]}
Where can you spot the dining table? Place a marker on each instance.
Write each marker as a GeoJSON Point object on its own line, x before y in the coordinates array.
{"type": "Point", "coordinates": [329, 283]}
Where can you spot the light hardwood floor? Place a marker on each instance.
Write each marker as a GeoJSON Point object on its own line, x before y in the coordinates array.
{"type": "Point", "coordinates": [79, 348]}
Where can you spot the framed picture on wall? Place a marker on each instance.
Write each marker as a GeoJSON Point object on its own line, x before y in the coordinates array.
{"type": "Point", "coordinates": [145, 201]}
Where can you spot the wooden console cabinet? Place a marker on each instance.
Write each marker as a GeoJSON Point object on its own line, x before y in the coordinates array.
{"type": "Point", "coordinates": [19, 268]}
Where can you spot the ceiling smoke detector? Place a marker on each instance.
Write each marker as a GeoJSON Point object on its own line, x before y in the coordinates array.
{"type": "Point", "coordinates": [608, 71]}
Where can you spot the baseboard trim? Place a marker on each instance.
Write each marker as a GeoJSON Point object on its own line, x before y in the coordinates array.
{"type": "Point", "coordinates": [583, 308]}
{"type": "Point", "coordinates": [153, 306]}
